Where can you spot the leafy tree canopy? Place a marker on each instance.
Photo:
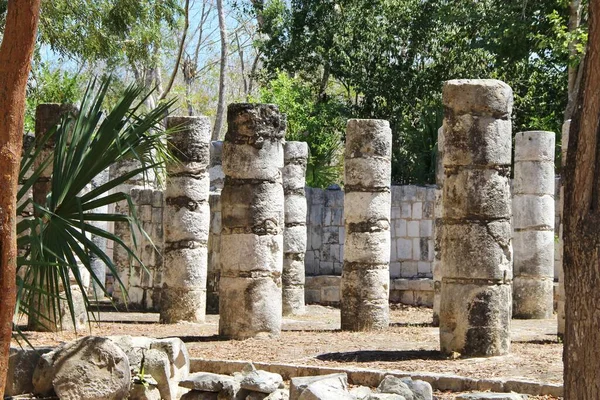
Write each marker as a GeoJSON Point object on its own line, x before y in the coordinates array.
{"type": "Point", "coordinates": [392, 56]}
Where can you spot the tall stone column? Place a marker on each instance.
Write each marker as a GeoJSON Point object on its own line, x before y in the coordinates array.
{"type": "Point", "coordinates": [252, 211]}
{"type": "Point", "coordinates": [367, 209]}
{"type": "Point", "coordinates": [476, 248]}
{"type": "Point", "coordinates": [294, 236]}
{"type": "Point", "coordinates": [97, 265]}
{"type": "Point", "coordinates": [437, 229]}
{"type": "Point", "coordinates": [561, 273]}
{"type": "Point", "coordinates": [533, 225]}
{"type": "Point", "coordinates": [186, 222]}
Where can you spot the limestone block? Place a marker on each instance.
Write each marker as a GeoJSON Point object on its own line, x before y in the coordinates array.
{"type": "Point", "coordinates": [89, 368]}
{"type": "Point", "coordinates": [156, 364]}
{"type": "Point", "coordinates": [533, 297]}
{"type": "Point", "coordinates": [294, 175]}
{"type": "Point", "coordinates": [185, 224]}
{"type": "Point", "coordinates": [534, 253]}
{"type": "Point", "coordinates": [146, 391]}
{"type": "Point", "coordinates": [252, 298]}
{"type": "Point", "coordinates": [295, 209]}
{"type": "Point", "coordinates": [256, 206]}
{"type": "Point", "coordinates": [491, 136]}
{"type": "Point", "coordinates": [182, 304]}
{"type": "Point", "coordinates": [475, 318]}
{"type": "Point", "coordinates": [298, 384]}
{"type": "Point", "coordinates": [533, 177]}
{"type": "Point", "coordinates": [205, 381]}
{"type": "Point", "coordinates": [535, 146]}
{"type": "Point", "coordinates": [293, 271]}
{"type": "Point", "coordinates": [421, 390]}
{"type": "Point", "coordinates": [385, 396]}
{"type": "Point", "coordinates": [367, 172]}
{"type": "Point", "coordinates": [293, 300]}
{"type": "Point", "coordinates": [476, 193]}
{"type": "Point", "coordinates": [367, 206]}
{"type": "Point", "coordinates": [394, 385]}
{"type": "Point", "coordinates": [197, 188]}
{"type": "Point", "coordinates": [361, 392]}
{"type": "Point", "coordinates": [249, 252]}
{"type": "Point", "coordinates": [294, 239]}
{"type": "Point", "coordinates": [261, 381]}
{"type": "Point", "coordinates": [491, 244]}
{"type": "Point", "coordinates": [533, 211]}
{"type": "Point", "coordinates": [478, 96]}
{"type": "Point", "coordinates": [368, 247]}
{"type": "Point", "coordinates": [252, 162]}
{"type": "Point", "coordinates": [185, 267]}
{"type": "Point", "coordinates": [322, 391]}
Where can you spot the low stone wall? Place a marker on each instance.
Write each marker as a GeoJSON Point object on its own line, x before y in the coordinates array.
{"type": "Point", "coordinates": [325, 290]}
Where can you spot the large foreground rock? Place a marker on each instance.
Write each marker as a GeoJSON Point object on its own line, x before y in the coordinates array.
{"type": "Point", "coordinates": [299, 384]}
{"type": "Point", "coordinates": [91, 368]}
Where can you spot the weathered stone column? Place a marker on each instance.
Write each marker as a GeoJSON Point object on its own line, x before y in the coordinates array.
{"type": "Point", "coordinates": [533, 224]}
{"type": "Point", "coordinates": [46, 117]}
{"type": "Point", "coordinates": [561, 273]}
{"type": "Point", "coordinates": [252, 209]}
{"type": "Point", "coordinates": [367, 209]}
{"type": "Point", "coordinates": [186, 222]}
{"type": "Point", "coordinates": [437, 229]}
{"type": "Point", "coordinates": [294, 236]}
{"type": "Point", "coordinates": [97, 265]}
{"type": "Point", "coordinates": [476, 248]}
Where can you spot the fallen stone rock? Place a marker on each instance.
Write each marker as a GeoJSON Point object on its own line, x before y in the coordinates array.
{"type": "Point", "coordinates": [279, 394]}
{"type": "Point", "coordinates": [361, 392]}
{"type": "Point", "coordinates": [156, 364]}
{"type": "Point", "coordinates": [421, 390]}
{"type": "Point", "coordinates": [90, 368]}
{"type": "Point", "coordinates": [322, 390]}
{"type": "Point", "coordinates": [298, 384]}
{"type": "Point", "coordinates": [393, 385]}
{"type": "Point", "coordinates": [21, 365]}
{"type": "Point", "coordinates": [205, 381]}
{"type": "Point", "coordinates": [232, 390]}
{"type": "Point", "coordinates": [134, 347]}
{"type": "Point", "coordinates": [491, 396]}
{"type": "Point", "coordinates": [261, 381]}
{"type": "Point", "coordinates": [178, 356]}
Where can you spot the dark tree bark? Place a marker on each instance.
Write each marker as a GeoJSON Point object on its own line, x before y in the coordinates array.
{"type": "Point", "coordinates": [582, 230]}
{"type": "Point", "coordinates": [15, 63]}
{"type": "Point", "coordinates": [220, 116]}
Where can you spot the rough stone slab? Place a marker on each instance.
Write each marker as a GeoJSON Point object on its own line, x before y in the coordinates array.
{"type": "Point", "coordinates": [205, 381]}
{"type": "Point", "coordinates": [321, 390]}
{"type": "Point", "coordinates": [394, 385]}
{"type": "Point", "coordinates": [261, 381]}
{"type": "Point", "coordinates": [385, 396]}
{"type": "Point", "coordinates": [421, 390]}
{"type": "Point", "coordinates": [361, 392]}
{"type": "Point", "coordinates": [299, 384]}
{"type": "Point", "coordinates": [21, 366]}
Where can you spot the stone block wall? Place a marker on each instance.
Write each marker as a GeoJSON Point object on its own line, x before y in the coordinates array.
{"type": "Point", "coordinates": [143, 284]}
{"type": "Point", "coordinates": [411, 230]}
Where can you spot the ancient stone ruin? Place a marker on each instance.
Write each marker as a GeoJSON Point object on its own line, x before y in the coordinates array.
{"type": "Point", "coordinates": [476, 248]}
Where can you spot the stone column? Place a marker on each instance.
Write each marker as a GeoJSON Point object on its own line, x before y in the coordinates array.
{"type": "Point", "coordinates": [561, 273]}
{"type": "Point", "coordinates": [294, 236]}
{"type": "Point", "coordinates": [476, 248]}
{"type": "Point", "coordinates": [252, 210]}
{"type": "Point", "coordinates": [533, 224]}
{"type": "Point", "coordinates": [46, 117]}
{"type": "Point", "coordinates": [97, 265]}
{"type": "Point", "coordinates": [186, 222]}
{"type": "Point", "coordinates": [367, 209]}
{"type": "Point", "coordinates": [437, 229]}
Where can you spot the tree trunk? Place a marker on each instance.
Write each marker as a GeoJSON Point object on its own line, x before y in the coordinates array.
{"type": "Point", "coordinates": [581, 230]}
{"type": "Point", "coordinates": [15, 62]}
{"type": "Point", "coordinates": [574, 71]}
{"type": "Point", "coordinates": [219, 118]}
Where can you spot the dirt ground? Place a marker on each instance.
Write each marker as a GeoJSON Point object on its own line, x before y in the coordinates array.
{"type": "Point", "coordinates": [410, 344]}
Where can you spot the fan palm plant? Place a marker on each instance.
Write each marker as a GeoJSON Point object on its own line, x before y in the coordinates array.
{"type": "Point", "coordinates": [58, 238]}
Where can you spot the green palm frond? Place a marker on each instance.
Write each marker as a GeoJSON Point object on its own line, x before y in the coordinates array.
{"type": "Point", "coordinates": [58, 239]}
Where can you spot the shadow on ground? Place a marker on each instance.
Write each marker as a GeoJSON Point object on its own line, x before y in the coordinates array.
{"type": "Point", "coordinates": [382, 355]}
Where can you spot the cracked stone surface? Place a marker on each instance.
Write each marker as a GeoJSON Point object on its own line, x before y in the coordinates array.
{"type": "Point", "coordinates": [367, 204]}
{"type": "Point", "coordinates": [476, 230]}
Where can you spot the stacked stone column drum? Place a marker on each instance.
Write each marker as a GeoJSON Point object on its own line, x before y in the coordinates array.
{"type": "Point", "coordinates": [367, 208]}
{"type": "Point", "coordinates": [294, 237]}
{"type": "Point", "coordinates": [186, 222]}
{"type": "Point", "coordinates": [533, 224]}
{"type": "Point", "coordinates": [252, 210]}
{"type": "Point", "coordinates": [476, 248]}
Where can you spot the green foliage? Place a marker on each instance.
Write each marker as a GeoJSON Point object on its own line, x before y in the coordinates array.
{"type": "Point", "coordinates": [57, 238]}
{"type": "Point", "coordinates": [50, 86]}
{"type": "Point", "coordinates": [392, 57]}
{"type": "Point", "coordinates": [319, 123]}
